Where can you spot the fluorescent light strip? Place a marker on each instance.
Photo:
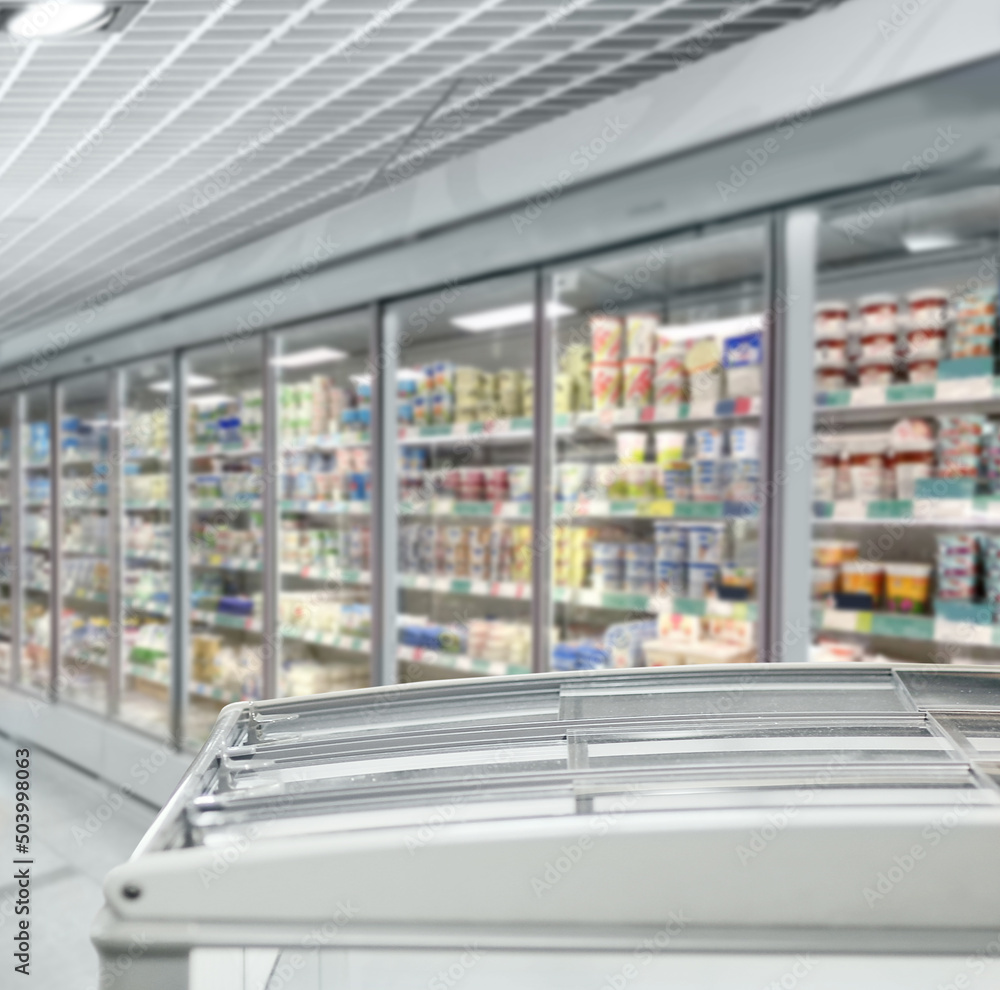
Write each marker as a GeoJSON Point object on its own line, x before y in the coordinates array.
{"type": "Point", "coordinates": [213, 399]}
{"type": "Point", "coordinates": [918, 243]}
{"type": "Point", "coordinates": [519, 314]}
{"type": "Point", "coordinates": [730, 327]}
{"type": "Point", "coordinates": [309, 357]}
{"type": "Point", "coordinates": [193, 381]}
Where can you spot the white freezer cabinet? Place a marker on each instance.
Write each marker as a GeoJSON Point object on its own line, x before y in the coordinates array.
{"type": "Point", "coordinates": [734, 827]}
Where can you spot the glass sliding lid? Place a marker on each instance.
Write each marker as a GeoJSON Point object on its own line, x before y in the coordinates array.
{"type": "Point", "coordinates": [906, 545]}
{"type": "Point", "coordinates": [324, 422]}
{"type": "Point", "coordinates": [465, 399]}
{"type": "Point", "coordinates": [657, 467]}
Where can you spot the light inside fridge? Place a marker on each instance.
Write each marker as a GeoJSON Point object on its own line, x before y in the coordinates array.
{"type": "Point", "coordinates": [906, 550]}
{"type": "Point", "coordinates": [657, 396]}
{"type": "Point", "coordinates": [465, 399]}
{"type": "Point", "coordinates": [324, 435]}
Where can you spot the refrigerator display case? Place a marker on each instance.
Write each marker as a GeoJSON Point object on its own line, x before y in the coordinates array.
{"type": "Point", "coordinates": [863, 791]}
{"type": "Point", "coordinates": [464, 403]}
{"type": "Point", "coordinates": [84, 541]}
{"type": "Point", "coordinates": [906, 549]}
{"type": "Point", "coordinates": [36, 540]}
{"type": "Point", "coordinates": [8, 575]}
{"type": "Point", "coordinates": [224, 388]}
{"type": "Point", "coordinates": [146, 480]}
{"type": "Point", "coordinates": [658, 376]}
{"type": "Point", "coordinates": [323, 385]}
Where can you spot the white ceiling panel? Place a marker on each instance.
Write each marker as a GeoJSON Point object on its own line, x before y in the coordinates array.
{"type": "Point", "coordinates": [205, 124]}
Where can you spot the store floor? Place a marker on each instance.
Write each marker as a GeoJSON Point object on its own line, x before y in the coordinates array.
{"type": "Point", "coordinates": [81, 828]}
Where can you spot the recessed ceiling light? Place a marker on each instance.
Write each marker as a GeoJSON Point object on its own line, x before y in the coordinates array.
{"type": "Point", "coordinates": [193, 381]}
{"type": "Point", "coordinates": [918, 243]}
{"type": "Point", "coordinates": [308, 357]}
{"type": "Point", "coordinates": [508, 316]}
{"type": "Point", "coordinates": [57, 19]}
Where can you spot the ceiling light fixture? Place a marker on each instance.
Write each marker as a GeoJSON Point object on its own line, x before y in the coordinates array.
{"type": "Point", "coordinates": [918, 243]}
{"type": "Point", "coordinates": [57, 19]}
{"type": "Point", "coordinates": [309, 357]}
{"type": "Point", "coordinates": [508, 316]}
{"type": "Point", "coordinates": [214, 399]}
{"type": "Point", "coordinates": [193, 381]}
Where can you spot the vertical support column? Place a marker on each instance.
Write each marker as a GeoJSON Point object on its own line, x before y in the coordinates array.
{"type": "Point", "coordinates": [542, 456]}
{"type": "Point", "coordinates": [385, 488]}
{"type": "Point", "coordinates": [17, 575]}
{"type": "Point", "coordinates": [789, 481]}
{"type": "Point", "coordinates": [116, 542]}
{"type": "Point", "coordinates": [270, 643]}
{"type": "Point", "coordinates": [180, 594]}
{"type": "Point", "coordinates": [55, 537]}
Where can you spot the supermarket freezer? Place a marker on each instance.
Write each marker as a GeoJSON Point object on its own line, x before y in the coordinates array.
{"type": "Point", "coordinates": [739, 827]}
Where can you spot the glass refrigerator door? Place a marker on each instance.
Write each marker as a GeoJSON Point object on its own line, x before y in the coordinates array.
{"type": "Point", "coordinates": [906, 545]}
{"type": "Point", "coordinates": [657, 398]}
{"type": "Point", "coordinates": [225, 427]}
{"type": "Point", "coordinates": [7, 576]}
{"type": "Point", "coordinates": [324, 420]}
{"type": "Point", "coordinates": [36, 462]}
{"type": "Point", "coordinates": [146, 538]}
{"type": "Point", "coordinates": [465, 400]}
{"type": "Point", "coordinates": [85, 626]}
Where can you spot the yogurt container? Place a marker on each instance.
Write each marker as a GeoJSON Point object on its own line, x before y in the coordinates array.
{"type": "Point", "coordinates": [677, 482]}
{"type": "Point", "coordinates": [876, 370]}
{"type": "Point", "coordinates": [831, 377]}
{"type": "Point", "coordinates": [670, 446]}
{"type": "Point", "coordinates": [921, 369]}
{"type": "Point", "coordinates": [631, 446]}
{"type": "Point", "coordinates": [824, 581]}
{"type": "Point", "coordinates": [831, 348]}
{"type": "Point", "coordinates": [831, 319]}
{"type": "Point", "coordinates": [866, 462]}
{"type": "Point", "coordinates": [926, 341]}
{"type": "Point", "coordinates": [907, 587]}
{"type": "Point", "coordinates": [862, 577]}
{"type": "Point", "coordinates": [879, 312]}
{"type": "Point", "coordinates": [606, 338]}
{"type": "Point", "coordinates": [744, 442]}
{"type": "Point", "coordinates": [638, 382]}
{"type": "Point", "coordinates": [706, 481]}
{"type": "Point", "coordinates": [708, 443]}
{"type": "Point", "coordinates": [702, 579]}
{"type": "Point", "coordinates": [928, 308]}
{"type": "Point", "coordinates": [606, 384]}
{"type": "Point", "coordinates": [878, 343]}
{"type": "Point", "coordinates": [671, 577]}
{"type": "Point", "coordinates": [640, 334]}
{"type": "Point", "coordinates": [911, 460]}
{"type": "Point", "coordinates": [705, 544]}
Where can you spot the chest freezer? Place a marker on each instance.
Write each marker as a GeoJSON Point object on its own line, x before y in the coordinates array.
{"type": "Point", "coordinates": [736, 828]}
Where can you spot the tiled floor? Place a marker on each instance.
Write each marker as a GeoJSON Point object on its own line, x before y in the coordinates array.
{"type": "Point", "coordinates": [80, 828]}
